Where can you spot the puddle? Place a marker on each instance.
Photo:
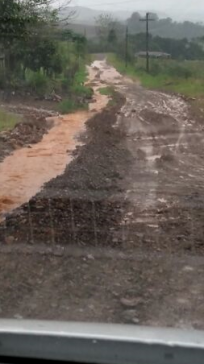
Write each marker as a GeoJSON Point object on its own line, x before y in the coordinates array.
{"type": "Point", "coordinates": [24, 173]}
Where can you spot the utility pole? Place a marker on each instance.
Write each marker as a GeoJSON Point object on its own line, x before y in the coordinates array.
{"type": "Point", "coordinates": [126, 46]}
{"type": "Point", "coordinates": [147, 19]}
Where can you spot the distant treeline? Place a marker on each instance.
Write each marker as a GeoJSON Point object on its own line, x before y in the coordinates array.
{"type": "Point", "coordinates": [166, 28]}
{"type": "Point", "coordinates": [177, 48]}
{"type": "Point", "coordinates": [111, 38]}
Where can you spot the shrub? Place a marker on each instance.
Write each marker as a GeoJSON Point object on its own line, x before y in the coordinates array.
{"type": "Point", "coordinates": [156, 69]}
{"type": "Point", "coordinates": [83, 91]}
{"type": "Point", "coordinates": [107, 91]}
{"type": "Point", "coordinates": [179, 71]}
{"type": "Point", "coordinates": [65, 84]}
{"type": "Point", "coordinates": [2, 79]}
{"type": "Point", "coordinates": [37, 82]}
{"type": "Point", "coordinates": [80, 76]}
{"type": "Point", "coordinates": [69, 106]}
{"type": "Point", "coordinates": [78, 88]}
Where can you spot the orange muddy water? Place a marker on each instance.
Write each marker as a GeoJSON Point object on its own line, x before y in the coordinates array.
{"type": "Point", "coordinates": [24, 173]}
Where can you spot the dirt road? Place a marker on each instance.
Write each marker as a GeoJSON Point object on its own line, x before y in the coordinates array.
{"type": "Point", "coordinates": [23, 173]}
{"type": "Point", "coordinates": [118, 237]}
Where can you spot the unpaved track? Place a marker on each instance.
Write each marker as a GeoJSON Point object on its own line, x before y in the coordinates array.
{"type": "Point", "coordinates": [119, 236]}
{"type": "Point", "coordinates": [24, 173]}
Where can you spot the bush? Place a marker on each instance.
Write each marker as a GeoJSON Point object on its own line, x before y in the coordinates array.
{"type": "Point", "coordinates": [179, 71]}
{"type": "Point", "coordinates": [156, 69]}
{"type": "Point", "coordinates": [78, 88]}
{"type": "Point", "coordinates": [62, 84]}
{"type": "Point", "coordinates": [2, 79]}
{"type": "Point", "coordinates": [80, 76]}
{"type": "Point", "coordinates": [107, 91]}
{"type": "Point", "coordinates": [83, 91]}
{"type": "Point", "coordinates": [69, 106]}
{"type": "Point", "coordinates": [37, 82]}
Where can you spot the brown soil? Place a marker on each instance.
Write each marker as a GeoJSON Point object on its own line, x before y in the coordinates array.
{"type": "Point", "coordinates": [119, 236]}
{"type": "Point", "coordinates": [29, 131]}
{"type": "Point", "coordinates": [87, 191]}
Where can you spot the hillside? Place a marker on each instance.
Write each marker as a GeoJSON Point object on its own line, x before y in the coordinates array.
{"type": "Point", "coordinates": [87, 16]}
{"type": "Point", "coordinates": [166, 27]}
{"type": "Point", "coordinates": [84, 29]}
{"type": "Point", "coordinates": [84, 22]}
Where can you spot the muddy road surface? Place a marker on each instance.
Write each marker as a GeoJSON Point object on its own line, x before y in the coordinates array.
{"type": "Point", "coordinates": [117, 236]}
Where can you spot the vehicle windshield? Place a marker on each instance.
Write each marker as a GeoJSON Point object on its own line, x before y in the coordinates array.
{"type": "Point", "coordinates": [102, 161]}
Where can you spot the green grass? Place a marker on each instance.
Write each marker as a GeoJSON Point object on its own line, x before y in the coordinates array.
{"type": "Point", "coordinates": [8, 120]}
{"type": "Point", "coordinates": [69, 106]}
{"type": "Point", "coordinates": [106, 91]}
{"type": "Point", "coordinates": [111, 93]}
{"type": "Point", "coordinates": [81, 90]}
{"type": "Point", "coordinates": [78, 88]}
{"type": "Point", "coordinates": [183, 77]}
{"type": "Point", "coordinates": [79, 94]}
{"type": "Point", "coordinates": [80, 76]}
{"type": "Point", "coordinates": [120, 66]}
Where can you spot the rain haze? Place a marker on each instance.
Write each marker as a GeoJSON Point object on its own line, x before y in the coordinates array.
{"type": "Point", "coordinates": [182, 10]}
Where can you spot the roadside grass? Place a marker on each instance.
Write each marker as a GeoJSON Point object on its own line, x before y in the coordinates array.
{"type": "Point", "coordinates": [79, 88]}
{"type": "Point", "coordinates": [79, 94]}
{"type": "Point", "coordinates": [106, 91]}
{"type": "Point", "coordinates": [8, 120]}
{"type": "Point", "coordinates": [90, 58]}
{"type": "Point", "coordinates": [183, 77]}
{"type": "Point", "coordinates": [82, 91]}
{"type": "Point", "coordinates": [109, 91]}
{"type": "Point", "coordinates": [121, 67]}
{"type": "Point", "coordinates": [70, 106]}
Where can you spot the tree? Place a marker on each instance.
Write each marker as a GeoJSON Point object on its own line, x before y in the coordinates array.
{"type": "Point", "coordinates": [166, 27]}
{"type": "Point", "coordinates": [13, 22]}
{"type": "Point", "coordinates": [109, 30]}
{"type": "Point", "coordinates": [177, 48]}
{"type": "Point", "coordinates": [28, 29]}
{"type": "Point", "coordinates": [40, 51]}
{"type": "Point", "coordinates": [104, 23]}
{"type": "Point", "coordinates": [134, 23]}
{"type": "Point", "coordinates": [112, 37]}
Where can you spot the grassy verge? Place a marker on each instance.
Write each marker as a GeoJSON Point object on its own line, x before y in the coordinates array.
{"type": "Point", "coordinates": [8, 120]}
{"type": "Point", "coordinates": [69, 106]}
{"type": "Point", "coordinates": [111, 93]}
{"type": "Point", "coordinates": [107, 91]}
{"type": "Point", "coordinates": [121, 67]}
{"type": "Point", "coordinates": [183, 77]}
{"type": "Point", "coordinates": [79, 95]}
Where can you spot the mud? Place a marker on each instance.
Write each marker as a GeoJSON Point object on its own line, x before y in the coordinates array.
{"type": "Point", "coordinates": [84, 204]}
{"type": "Point", "coordinates": [23, 174]}
{"type": "Point", "coordinates": [23, 135]}
{"type": "Point", "coordinates": [119, 236]}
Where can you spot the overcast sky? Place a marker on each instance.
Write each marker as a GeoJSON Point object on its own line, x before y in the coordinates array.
{"type": "Point", "coordinates": [179, 9]}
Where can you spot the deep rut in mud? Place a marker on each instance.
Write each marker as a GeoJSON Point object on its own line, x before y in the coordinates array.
{"type": "Point", "coordinates": [24, 173]}
{"type": "Point", "coordinates": [85, 204]}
